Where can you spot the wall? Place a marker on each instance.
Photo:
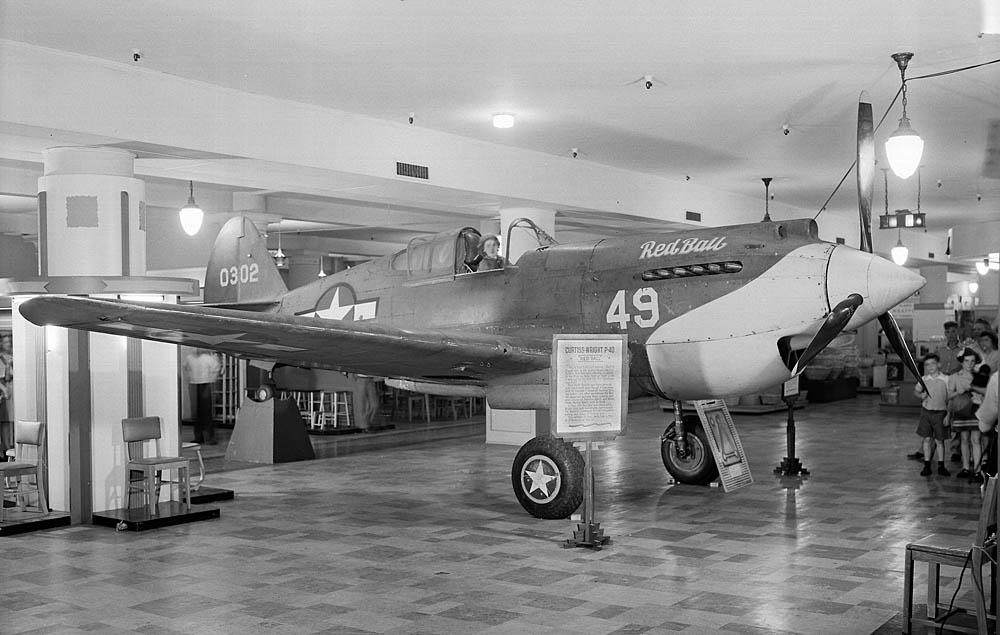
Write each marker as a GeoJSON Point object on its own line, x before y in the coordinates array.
{"type": "Point", "coordinates": [18, 261]}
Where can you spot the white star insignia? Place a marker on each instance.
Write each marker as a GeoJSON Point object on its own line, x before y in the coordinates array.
{"type": "Point", "coordinates": [539, 479]}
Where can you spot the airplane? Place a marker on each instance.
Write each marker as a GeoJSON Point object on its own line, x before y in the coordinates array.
{"type": "Point", "coordinates": [708, 312]}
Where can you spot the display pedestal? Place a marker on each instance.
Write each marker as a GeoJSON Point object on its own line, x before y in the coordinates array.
{"type": "Point", "coordinates": [790, 465]}
{"type": "Point", "coordinates": [269, 432]}
{"type": "Point", "coordinates": [139, 518]}
{"type": "Point", "coordinates": [211, 495]}
{"type": "Point", "coordinates": [18, 522]}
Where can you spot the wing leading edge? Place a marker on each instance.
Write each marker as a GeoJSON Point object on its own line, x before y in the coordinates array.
{"type": "Point", "coordinates": [357, 347]}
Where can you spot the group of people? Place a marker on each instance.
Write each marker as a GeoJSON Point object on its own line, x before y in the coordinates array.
{"type": "Point", "coordinates": [960, 402]}
{"type": "Point", "coordinates": [6, 395]}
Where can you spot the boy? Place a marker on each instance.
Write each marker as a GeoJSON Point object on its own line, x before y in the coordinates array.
{"type": "Point", "coordinates": [933, 409]}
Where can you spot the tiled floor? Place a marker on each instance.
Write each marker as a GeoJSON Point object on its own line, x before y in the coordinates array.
{"type": "Point", "coordinates": [429, 539]}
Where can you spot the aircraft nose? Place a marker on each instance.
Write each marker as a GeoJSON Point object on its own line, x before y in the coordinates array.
{"type": "Point", "coordinates": [882, 284]}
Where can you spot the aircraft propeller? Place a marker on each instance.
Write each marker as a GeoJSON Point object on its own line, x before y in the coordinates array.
{"type": "Point", "coordinates": [866, 186]}
{"type": "Point", "coordinates": [834, 324]}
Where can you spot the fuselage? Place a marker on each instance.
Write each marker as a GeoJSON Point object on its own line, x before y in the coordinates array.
{"type": "Point", "coordinates": [708, 312]}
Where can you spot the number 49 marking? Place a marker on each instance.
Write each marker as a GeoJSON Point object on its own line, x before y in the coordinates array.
{"type": "Point", "coordinates": [644, 302]}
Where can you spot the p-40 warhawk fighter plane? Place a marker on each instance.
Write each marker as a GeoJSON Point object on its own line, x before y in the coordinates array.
{"type": "Point", "coordinates": [708, 312]}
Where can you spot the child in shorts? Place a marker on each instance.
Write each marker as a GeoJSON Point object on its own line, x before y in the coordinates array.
{"type": "Point", "coordinates": [933, 409]}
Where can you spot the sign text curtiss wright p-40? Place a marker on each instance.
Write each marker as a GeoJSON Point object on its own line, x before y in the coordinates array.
{"type": "Point", "coordinates": [708, 312]}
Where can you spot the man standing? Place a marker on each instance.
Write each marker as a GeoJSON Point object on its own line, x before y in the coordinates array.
{"type": "Point", "coordinates": [950, 350]}
{"type": "Point", "coordinates": [203, 371]}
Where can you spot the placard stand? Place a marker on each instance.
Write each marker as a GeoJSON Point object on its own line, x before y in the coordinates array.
{"type": "Point", "coordinates": [790, 465]}
{"type": "Point", "coordinates": [588, 533]}
{"type": "Point", "coordinates": [589, 388]}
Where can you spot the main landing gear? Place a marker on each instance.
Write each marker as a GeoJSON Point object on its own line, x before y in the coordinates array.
{"type": "Point", "coordinates": [694, 465]}
{"type": "Point", "coordinates": [685, 451]}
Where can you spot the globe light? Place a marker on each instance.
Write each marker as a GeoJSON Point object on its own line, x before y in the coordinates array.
{"type": "Point", "coordinates": [900, 253]}
{"type": "Point", "coordinates": [904, 147]}
{"type": "Point", "coordinates": [903, 150]}
{"type": "Point", "coordinates": [191, 215]}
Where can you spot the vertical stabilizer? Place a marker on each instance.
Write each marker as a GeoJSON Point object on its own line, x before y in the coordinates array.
{"type": "Point", "coordinates": [240, 270]}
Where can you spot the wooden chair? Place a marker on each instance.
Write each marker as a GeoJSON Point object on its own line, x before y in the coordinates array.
{"type": "Point", "coordinates": [421, 401]}
{"type": "Point", "coordinates": [145, 472]}
{"type": "Point", "coordinates": [443, 406]}
{"type": "Point", "coordinates": [954, 551]}
{"type": "Point", "coordinates": [29, 460]}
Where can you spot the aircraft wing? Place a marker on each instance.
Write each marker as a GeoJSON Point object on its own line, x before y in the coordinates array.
{"type": "Point", "coordinates": [350, 346]}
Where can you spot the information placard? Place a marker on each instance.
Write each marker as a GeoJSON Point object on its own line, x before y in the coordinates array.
{"type": "Point", "coordinates": [790, 388]}
{"type": "Point", "coordinates": [589, 386]}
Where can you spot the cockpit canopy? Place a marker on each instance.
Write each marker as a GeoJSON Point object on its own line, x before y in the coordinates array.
{"type": "Point", "coordinates": [438, 255]}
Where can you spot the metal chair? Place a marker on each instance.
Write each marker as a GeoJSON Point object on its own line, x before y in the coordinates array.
{"type": "Point", "coordinates": [29, 460]}
{"type": "Point", "coordinates": [954, 551]}
{"type": "Point", "coordinates": [145, 472]}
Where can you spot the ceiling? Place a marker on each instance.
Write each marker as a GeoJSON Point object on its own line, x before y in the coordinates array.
{"type": "Point", "coordinates": [727, 82]}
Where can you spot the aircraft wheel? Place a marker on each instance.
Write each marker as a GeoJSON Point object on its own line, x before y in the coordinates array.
{"type": "Point", "coordinates": [698, 466]}
{"type": "Point", "coordinates": [263, 393]}
{"type": "Point", "coordinates": [547, 476]}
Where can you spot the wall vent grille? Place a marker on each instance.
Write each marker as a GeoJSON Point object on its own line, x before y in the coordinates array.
{"type": "Point", "coordinates": [411, 170]}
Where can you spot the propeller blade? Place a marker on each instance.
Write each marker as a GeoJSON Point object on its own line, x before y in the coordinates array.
{"type": "Point", "coordinates": [834, 324]}
{"type": "Point", "coordinates": [865, 171]}
{"type": "Point", "coordinates": [895, 336]}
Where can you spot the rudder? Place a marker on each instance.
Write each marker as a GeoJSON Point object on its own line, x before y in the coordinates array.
{"type": "Point", "coordinates": [240, 270]}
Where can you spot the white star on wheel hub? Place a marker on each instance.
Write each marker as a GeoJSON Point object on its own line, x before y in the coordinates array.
{"type": "Point", "coordinates": [539, 473]}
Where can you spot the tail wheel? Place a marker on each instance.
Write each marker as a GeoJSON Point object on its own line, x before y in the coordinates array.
{"type": "Point", "coordinates": [547, 476]}
{"type": "Point", "coordinates": [263, 393]}
{"type": "Point", "coordinates": [697, 465]}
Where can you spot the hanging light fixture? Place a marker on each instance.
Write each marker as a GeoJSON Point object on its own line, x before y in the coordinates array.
{"type": "Point", "coordinates": [322, 269]}
{"type": "Point", "coordinates": [900, 253]}
{"type": "Point", "coordinates": [767, 199]}
{"type": "Point", "coordinates": [973, 287]}
{"type": "Point", "coordinates": [990, 263]}
{"type": "Point", "coordinates": [904, 147]}
{"type": "Point", "coordinates": [901, 217]}
{"type": "Point", "coordinates": [280, 260]}
{"type": "Point", "coordinates": [191, 215]}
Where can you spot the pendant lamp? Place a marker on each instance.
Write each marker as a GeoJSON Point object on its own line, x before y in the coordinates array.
{"type": "Point", "coordinates": [904, 147]}
{"type": "Point", "coordinates": [191, 215]}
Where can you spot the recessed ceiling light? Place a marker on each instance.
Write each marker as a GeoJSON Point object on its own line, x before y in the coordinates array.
{"type": "Point", "coordinates": [503, 120]}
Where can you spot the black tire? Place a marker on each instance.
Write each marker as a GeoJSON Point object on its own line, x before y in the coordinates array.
{"type": "Point", "coordinates": [263, 393]}
{"type": "Point", "coordinates": [547, 476]}
{"type": "Point", "coordinates": [698, 467]}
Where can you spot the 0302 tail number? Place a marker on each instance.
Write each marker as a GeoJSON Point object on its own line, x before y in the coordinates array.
{"type": "Point", "coordinates": [644, 303]}
{"type": "Point", "coordinates": [242, 274]}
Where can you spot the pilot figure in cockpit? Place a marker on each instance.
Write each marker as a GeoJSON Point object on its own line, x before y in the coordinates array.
{"type": "Point", "coordinates": [490, 258]}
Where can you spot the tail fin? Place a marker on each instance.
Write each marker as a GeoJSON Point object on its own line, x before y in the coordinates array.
{"type": "Point", "coordinates": [240, 270]}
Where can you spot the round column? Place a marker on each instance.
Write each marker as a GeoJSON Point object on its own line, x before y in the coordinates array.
{"type": "Point", "coordinates": [92, 241]}
{"type": "Point", "coordinates": [92, 214]}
